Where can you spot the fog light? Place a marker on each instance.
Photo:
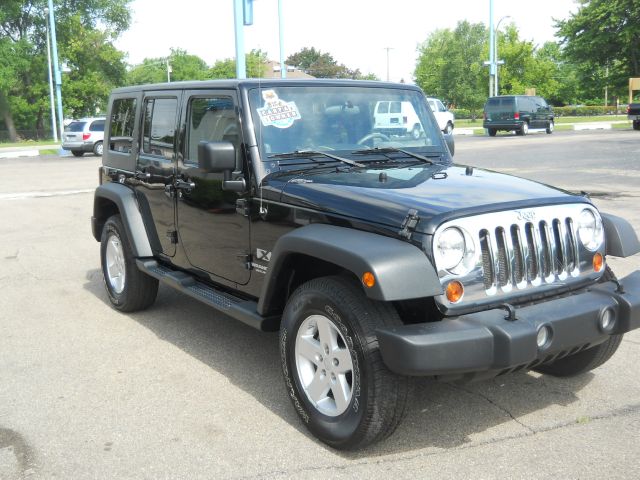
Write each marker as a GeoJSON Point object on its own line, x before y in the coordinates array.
{"type": "Point", "coordinates": [455, 291]}
{"type": "Point", "coordinates": [607, 320]}
{"type": "Point", "coordinates": [544, 336]}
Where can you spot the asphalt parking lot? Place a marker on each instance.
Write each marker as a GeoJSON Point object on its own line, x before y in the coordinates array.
{"type": "Point", "coordinates": [180, 392]}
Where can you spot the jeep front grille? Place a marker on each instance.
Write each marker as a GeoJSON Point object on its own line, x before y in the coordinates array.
{"type": "Point", "coordinates": [519, 251]}
{"type": "Point", "coordinates": [533, 252]}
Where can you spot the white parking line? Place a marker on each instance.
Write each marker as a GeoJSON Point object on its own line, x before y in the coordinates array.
{"type": "Point", "coordinates": [59, 193]}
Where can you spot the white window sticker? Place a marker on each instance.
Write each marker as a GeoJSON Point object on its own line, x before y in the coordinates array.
{"type": "Point", "coordinates": [277, 113]}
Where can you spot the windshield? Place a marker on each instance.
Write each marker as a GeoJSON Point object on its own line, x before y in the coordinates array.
{"type": "Point", "coordinates": [341, 118]}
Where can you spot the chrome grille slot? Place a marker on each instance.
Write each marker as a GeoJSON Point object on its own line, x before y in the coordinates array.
{"type": "Point", "coordinates": [487, 261]}
{"type": "Point", "coordinates": [532, 257]}
{"type": "Point", "coordinates": [502, 258]}
{"type": "Point", "coordinates": [518, 255]}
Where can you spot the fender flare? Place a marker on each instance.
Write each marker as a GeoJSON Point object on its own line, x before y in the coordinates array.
{"type": "Point", "coordinates": [402, 271]}
{"type": "Point", "coordinates": [620, 237]}
{"type": "Point", "coordinates": [125, 200]}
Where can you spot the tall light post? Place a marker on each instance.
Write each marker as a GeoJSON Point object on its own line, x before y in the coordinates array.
{"type": "Point", "coordinates": [495, 53]}
{"type": "Point", "coordinates": [387, 49]}
{"type": "Point", "coordinates": [56, 68]}
{"type": "Point", "coordinates": [54, 129]}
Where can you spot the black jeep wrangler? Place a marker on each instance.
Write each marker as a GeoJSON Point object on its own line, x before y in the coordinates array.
{"type": "Point", "coordinates": [375, 257]}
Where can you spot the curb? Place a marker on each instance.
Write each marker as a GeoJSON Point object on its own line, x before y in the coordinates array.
{"type": "Point", "coordinates": [20, 153]}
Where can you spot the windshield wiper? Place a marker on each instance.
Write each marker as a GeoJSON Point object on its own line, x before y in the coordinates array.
{"type": "Point", "coordinates": [386, 150]}
{"type": "Point", "coordinates": [314, 153]}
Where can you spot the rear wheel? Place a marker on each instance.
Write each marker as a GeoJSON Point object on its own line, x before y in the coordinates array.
{"type": "Point", "coordinates": [416, 132]}
{"type": "Point", "coordinates": [97, 149]}
{"type": "Point", "coordinates": [636, 124]}
{"type": "Point", "coordinates": [332, 366]}
{"type": "Point", "coordinates": [550, 127]}
{"type": "Point", "coordinates": [128, 288]}
{"type": "Point", "coordinates": [583, 361]}
{"type": "Point", "coordinates": [524, 129]}
{"type": "Point", "coordinates": [492, 132]}
{"type": "Point", "coordinates": [77, 153]}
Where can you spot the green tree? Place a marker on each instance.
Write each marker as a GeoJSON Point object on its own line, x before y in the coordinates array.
{"type": "Point", "coordinates": [255, 61]}
{"type": "Point", "coordinates": [183, 67]}
{"type": "Point", "coordinates": [323, 65]}
{"type": "Point", "coordinates": [85, 32]}
{"type": "Point", "coordinates": [450, 65]}
{"type": "Point", "coordinates": [603, 39]}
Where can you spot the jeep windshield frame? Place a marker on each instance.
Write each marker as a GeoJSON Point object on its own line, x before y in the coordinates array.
{"type": "Point", "coordinates": [341, 119]}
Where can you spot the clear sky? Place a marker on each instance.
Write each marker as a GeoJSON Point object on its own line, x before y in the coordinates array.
{"type": "Point", "coordinates": [355, 32]}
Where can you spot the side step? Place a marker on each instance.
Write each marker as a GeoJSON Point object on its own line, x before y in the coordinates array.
{"type": "Point", "coordinates": [243, 310]}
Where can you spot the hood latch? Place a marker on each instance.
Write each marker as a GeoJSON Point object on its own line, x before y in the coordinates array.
{"type": "Point", "coordinates": [409, 224]}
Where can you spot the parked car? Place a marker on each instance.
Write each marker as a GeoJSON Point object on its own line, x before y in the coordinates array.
{"type": "Point", "coordinates": [84, 135]}
{"type": "Point", "coordinates": [279, 204]}
{"type": "Point", "coordinates": [396, 118]}
{"type": "Point", "coordinates": [444, 117]}
{"type": "Point", "coordinates": [517, 113]}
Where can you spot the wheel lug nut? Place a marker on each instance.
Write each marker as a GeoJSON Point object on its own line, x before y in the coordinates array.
{"type": "Point", "coordinates": [335, 362]}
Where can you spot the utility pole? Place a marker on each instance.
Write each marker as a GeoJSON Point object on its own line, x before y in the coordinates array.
{"type": "Point", "coordinates": [54, 128]}
{"type": "Point", "coordinates": [56, 68]}
{"type": "Point", "coordinates": [283, 67]}
{"type": "Point", "coordinates": [387, 49]}
{"type": "Point", "coordinates": [169, 70]}
{"type": "Point", "coordinates": [238, 16]}
{"type": "Point", "coordinates": [492, 60]}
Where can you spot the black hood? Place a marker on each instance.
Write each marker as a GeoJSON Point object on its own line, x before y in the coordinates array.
{"type": "Point", "coordinates": [385, 195]}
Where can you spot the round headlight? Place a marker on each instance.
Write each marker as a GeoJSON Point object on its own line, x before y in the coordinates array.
{"type": "Point", "coordinates": [590, 229]}
{"type": "Point", "coordinates": [450, 248]}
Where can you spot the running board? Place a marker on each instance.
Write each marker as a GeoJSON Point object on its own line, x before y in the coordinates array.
{"type": "Point", "coordinates": [237, 308]}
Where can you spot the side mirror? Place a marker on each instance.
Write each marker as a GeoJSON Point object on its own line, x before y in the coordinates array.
{"type": "Point", "coordinates": [216, 157]}
{"type": "Point", "coordinates": [451, 144]}
{"type": "Point", "coordinates": [220, 157]}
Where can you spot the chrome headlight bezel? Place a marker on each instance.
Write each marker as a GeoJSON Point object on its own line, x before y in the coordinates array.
{"type": "Point", "coordinates": [590, 229]}
{"type": "Point", "coordinates": [454, 250]}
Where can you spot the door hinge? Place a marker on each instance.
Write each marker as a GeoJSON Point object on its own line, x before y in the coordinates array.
{"type": "Point", "coordinates": [409, 224]}
{"type": "Point", "coordinates": [172, 235]}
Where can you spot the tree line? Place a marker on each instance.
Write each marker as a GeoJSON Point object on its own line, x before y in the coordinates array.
{"type": "Point", "coordinates": [598, 49]}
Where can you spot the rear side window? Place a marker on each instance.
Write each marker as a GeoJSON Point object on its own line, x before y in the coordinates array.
{"type": "Point", "coordinates": [97, 126]}
{"type": "Point", "coordinates": [123, 113]}
{"type": "Point", "coordinates": [76, 126]}
{"type": "Point", "coordinates": [383, 107]}
{"type": "Point", "coordinates": [395, 107]}
{"type": "Point", "coordinates": [158, 136]}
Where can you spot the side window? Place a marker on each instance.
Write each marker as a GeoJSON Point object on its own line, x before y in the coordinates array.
{"type": "Point", "coordinates": [210, 119]}
{"type": "Point", "coordinates": [441, 107]}
{"type": "Point", "coordinates": [159, 127]}
{"type": "Point", "coordinates": [97, 126]}
{"type": "Point", "coordinates": [123, 113]}
{"type": "Point", "coordinates": [395, 107]}
{"type": "Point", "coordinates": [432, 104]}
{"type": "Point", "coordinates": [383, 107]}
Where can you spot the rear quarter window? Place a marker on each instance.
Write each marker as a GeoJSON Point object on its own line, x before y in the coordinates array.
{"type": "Point", "coordinates": [97, 126]}
{"type": "Point", "coordinates": [76, 126]}
{"type": "Point", "coordinates": [123, 115]}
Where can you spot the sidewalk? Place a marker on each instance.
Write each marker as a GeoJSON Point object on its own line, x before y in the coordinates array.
{"type": "Point", "coordinates": [26, 151]}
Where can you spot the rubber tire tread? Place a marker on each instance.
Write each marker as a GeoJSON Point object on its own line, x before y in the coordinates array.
{"type": "Point", "coordinates": [584, 361]}
{"type": "Point", "coordinates": [140, 289]}
{"type": "Point", "coordinates": [389, 391]}
{"type": "Point", "coordinates": [77, 153]}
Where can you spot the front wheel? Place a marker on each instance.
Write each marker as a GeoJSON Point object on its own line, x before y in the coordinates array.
{"type": "Point", "coordinates": [332, 366]}
{"type": "Point", "coordinates": [584, 361]}
{"type": "Point", "coordinates": [550, 127]}
{"type": "Point", "coordinates": [636, 124]}
{"type": "Point", "coordinates": [524, 129]}
{"type": "Point", "coordinates": [448, 129]}
{"type": "Point", "coordinates": [129, 289]}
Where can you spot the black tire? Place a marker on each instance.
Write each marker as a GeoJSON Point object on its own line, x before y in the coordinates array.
{"type": "Point", "coordinates": [550, 127]}
{"type": "Point", "coordinates": [449, 128]}
{"type": "Point", "coordinates": [97, 149]}
{"type": "Point", "coordinates": [584, 361]}
{"type": "Point", "coordinates": [378, 397]}
{"type": "Point", "coordinates": [135, 290]}
{"type": "Point", "coordinates": [77, 153]}
{"type": "Point", "coordinates": [492, 132]}
{"type": "Point", "coordinates": [636, 124]}
{"type": "Point", "coordinates": [416, 132]}
{"type": "Point", "coordinates": [524, 129]}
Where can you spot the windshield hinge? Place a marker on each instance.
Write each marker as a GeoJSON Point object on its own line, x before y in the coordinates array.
{"type": "Point", "coordinates": [409, 224]}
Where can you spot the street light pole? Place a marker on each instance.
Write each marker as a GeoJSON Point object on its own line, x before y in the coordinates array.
{"type": "Point", "coordinates": [387, 49]}
{"type": "Point", "coordinates": [56, 68]}
{"type": "Point", "coordinates": [54, 129]}
{"type": "Point", "coordinates": [495, 56]}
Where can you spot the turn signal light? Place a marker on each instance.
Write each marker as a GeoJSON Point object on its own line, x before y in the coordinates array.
{"type": "Point", "coordinates": [454, 291]}
{"type": "Point", "coordinates": [598, 262]}
{"type": "Point", "coordinates": [368, 279]}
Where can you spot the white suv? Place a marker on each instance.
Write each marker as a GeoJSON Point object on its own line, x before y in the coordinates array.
{"type": "Point", "coordinates": [396, 118]}
{"type": "Point", "coordinates": [84, 135]}
{"type": "Point", "coordinates": [444, 117]}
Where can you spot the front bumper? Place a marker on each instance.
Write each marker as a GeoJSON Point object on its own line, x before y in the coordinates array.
{"type": "Point", "coordinates": [488, 342]}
